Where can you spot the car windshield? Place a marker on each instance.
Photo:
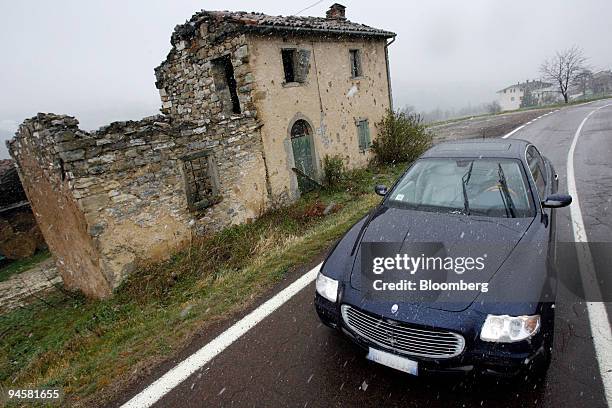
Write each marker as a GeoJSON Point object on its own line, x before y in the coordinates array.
{"type": "Point", "coordinates": [486, 186]}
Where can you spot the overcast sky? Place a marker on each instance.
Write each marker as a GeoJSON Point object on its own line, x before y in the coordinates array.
{"type": "Point", "coordinates": [95, 59]}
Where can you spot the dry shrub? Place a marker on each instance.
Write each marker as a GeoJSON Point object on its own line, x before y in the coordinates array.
{"type": "Point", "coordinates": [402, 137]}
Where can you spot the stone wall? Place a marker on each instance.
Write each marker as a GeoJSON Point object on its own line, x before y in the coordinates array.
{"type": "Point", "coordinates": [111, 198]}
{"type": "Point", "coordinates": [57, 212]}
{"type": "Point", "coordinates": [186, 79]}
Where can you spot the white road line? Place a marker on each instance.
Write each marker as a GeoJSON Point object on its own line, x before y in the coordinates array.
{"type": "Point", "coordinates": [522, 126]}
{"type": "Point", "coordinates": [598, 317]}
{"type": "Point", "coordinates": [203, 356]}
{"type": "Point", "coordinates": [513, 132]}
{"type": "Point", "coordinates": [530, 122]}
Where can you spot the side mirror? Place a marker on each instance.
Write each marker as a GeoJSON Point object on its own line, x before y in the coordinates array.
{"type": "Point", "coordinates": [557, 201]}
{"type": "Point", "coordinates": [381, 190]}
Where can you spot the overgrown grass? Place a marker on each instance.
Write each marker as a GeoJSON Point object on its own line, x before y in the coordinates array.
{"type": "Point", "coordinates": [90, 348]}
{"type": "Point", "coordinates": [21, 265]}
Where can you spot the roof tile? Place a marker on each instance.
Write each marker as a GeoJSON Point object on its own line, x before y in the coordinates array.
{"type": "Point", "coordinates": [265, 23]}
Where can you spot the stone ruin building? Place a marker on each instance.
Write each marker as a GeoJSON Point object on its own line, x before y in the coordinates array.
{"type": "Point", "coordinates": [251, 104]}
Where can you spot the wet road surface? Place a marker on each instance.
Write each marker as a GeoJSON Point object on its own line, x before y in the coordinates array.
{"type": "Point", "coordinates": [291, 359]}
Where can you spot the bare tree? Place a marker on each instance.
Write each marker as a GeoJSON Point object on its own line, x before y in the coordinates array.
{"type": "Point", "coordinates": [494, 107]}
{"type": "Point", "coordinates": [563, 68]}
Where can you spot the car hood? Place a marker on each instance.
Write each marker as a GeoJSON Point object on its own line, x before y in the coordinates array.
{"type": "Point", "coordinates": [452, 231]}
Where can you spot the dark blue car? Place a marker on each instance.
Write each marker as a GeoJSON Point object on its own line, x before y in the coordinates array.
{"type": "Point", "coordinates": [494, 196]}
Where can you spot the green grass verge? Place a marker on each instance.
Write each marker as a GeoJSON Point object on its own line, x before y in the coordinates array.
{"type": "Point", "coordinates": [539, 107]}
{"type": "Point", "coordinates": [21, 265]}
{"type": "Point", "coordinates": [87, 347]}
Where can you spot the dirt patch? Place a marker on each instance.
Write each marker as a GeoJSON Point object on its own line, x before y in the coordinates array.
{"type": "Point", "coordinates": [19, 289]}
{"type": "Point", "coordinates": [484, 126]}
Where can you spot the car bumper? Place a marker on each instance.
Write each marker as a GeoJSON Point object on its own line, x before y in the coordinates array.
{"type": "Point", "coordinates": [477, 357]}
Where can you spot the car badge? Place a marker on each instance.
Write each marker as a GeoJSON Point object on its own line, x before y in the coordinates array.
{"type": "Point", "coordinates": [394, 308]}
{"type": "Point", "coordinates": [391, 339]}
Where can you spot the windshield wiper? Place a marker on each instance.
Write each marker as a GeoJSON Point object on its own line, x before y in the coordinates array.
{"type": "Point", "coordinates": [506, 198]}
{"type": "Point", "coordinates": [464, 180]}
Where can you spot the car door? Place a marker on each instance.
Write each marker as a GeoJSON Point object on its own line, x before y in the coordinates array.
{"type": "Point", "coordinates": [543, 177]}
{"type": "Point", "coordinates": [539, 172]}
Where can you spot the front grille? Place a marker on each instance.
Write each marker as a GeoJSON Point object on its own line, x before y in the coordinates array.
{"type": "Point", "coordinates": [402, 338]}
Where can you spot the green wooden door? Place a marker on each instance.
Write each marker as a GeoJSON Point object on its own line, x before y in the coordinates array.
{"type": "Point", "coordinates": [302, 156]}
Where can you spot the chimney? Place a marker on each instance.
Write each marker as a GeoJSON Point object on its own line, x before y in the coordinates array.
{"type": "Point", "coordinates": [336, 12]}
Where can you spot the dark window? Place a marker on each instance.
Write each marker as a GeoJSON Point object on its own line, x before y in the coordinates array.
{"type": "Point", "coordinates": [201, 180]}
{"type": "Point", "coordinates": [363, 133]}
{"type": "Point", "coordinates": [295, 64]}
{"type": "Point", "coordinates": [300, 128]}
{"type": "Point", "coordinates": [288, 64]}
{"type": "Point", "coordinates": [225, 83]}
{"type": "Point", "coordinates": [355, 57]}
{"type": "Point", "coordinates": [538, 170]}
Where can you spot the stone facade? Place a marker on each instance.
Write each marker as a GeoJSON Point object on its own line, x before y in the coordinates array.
{"type": "Point", "coordinates": [107, 199]}
{"type": "Point", "coordinates": [220, 153]}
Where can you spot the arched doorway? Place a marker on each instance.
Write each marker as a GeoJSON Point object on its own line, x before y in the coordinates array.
{"type": "Point", "coordinates": [303, 157]}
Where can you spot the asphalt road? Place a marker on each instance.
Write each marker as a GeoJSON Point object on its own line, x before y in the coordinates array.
{"type": "Point", "coordinates": [291, 359]}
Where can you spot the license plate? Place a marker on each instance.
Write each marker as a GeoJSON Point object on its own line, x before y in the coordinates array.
{"type": "Point", "coordinates": [393, 361]}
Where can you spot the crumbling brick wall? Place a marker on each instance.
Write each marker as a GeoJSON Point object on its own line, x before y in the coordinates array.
{"type": "Point", "coordinates": [108, 199]}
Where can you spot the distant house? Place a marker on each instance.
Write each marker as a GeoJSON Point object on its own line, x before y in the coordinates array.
{"type": "Point", "coordinates": [529, 93]}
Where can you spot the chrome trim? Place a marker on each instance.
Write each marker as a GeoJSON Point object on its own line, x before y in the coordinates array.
{"type": "Point", "coordinates": [402, 339]}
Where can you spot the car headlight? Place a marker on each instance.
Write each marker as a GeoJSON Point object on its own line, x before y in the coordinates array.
{"type": "Point", "coordinates": [327, 287]}
{"type": "Point", "coordinates": [508, 329]}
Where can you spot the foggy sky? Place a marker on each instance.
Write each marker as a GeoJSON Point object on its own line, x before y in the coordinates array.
{"type": "Point", "coordinates": [95, 59]}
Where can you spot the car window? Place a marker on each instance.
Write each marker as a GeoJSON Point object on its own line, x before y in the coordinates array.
{"type": "Point", "coordinates": [489, 187]}
{"type": "Point", "coordinates": [537, 168]}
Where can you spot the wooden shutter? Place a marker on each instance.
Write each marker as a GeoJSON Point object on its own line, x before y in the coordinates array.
{"type": "Point", "coordinates": [355, 61]}
{"type": "Point", "coordinates": [302, 65]}
{"type": "Point", "coordinates": [363, 132]}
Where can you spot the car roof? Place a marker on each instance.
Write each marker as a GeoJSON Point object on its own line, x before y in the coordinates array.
{"type": "Point", "coordinates": [502, 148]}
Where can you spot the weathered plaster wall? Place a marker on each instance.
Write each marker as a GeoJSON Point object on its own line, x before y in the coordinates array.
{"type": "Point", "coordinates": [330, 100]}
